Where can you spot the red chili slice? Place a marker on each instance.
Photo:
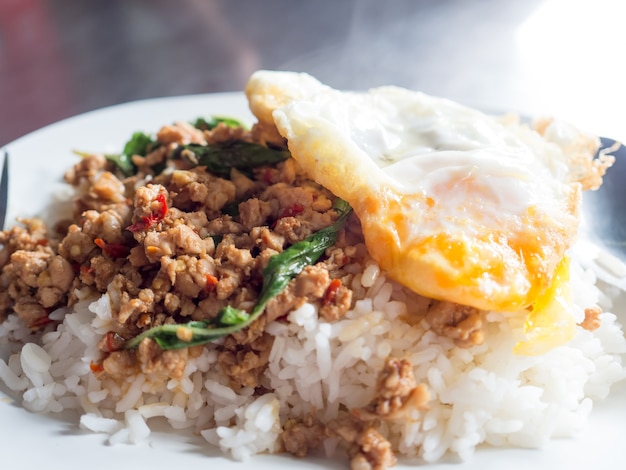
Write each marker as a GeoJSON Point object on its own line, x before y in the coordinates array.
{"type": "Point", "coordinates": [211, 282]}
{"type": "Point", "coordinates": [331, 292]}
{"type": "Point", "coordinates": [292, 211]}
{"type": "Point", "coordinates": [160, 214]}
{"type": "Point", "coordinates": [147, 221]}
{"type": "Point", "coordinates": [113, 342]}
{"type": "Point", "coordinates": [39, 322]}
{"type": "Point", "coordinates": [114, 250]}
{"type": "Point", "coordinates": [268, 176]}
{"type": "Point", "coordinates": [86, 270]}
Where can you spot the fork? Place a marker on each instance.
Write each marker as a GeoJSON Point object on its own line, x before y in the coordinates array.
{"type": "Point", "coordinates": [4, 189]}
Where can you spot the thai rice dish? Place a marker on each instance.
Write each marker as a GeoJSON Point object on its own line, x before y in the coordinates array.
{"type": "Point", "coordinates": [370, 275]}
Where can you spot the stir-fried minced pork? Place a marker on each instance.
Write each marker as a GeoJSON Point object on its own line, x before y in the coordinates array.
{"type": "Point", "coordinates": [592, 318]}
{"type": "Point", "coordinates": [396, 392]}
{"type": "Point", "coordinates": [175, 245]}
{"type": "Point", "coordinates": [460, 323]}
{"type": "Point", "coordinates": [179, 243]}
{"type": "Point", "coordinates": [34, 277]}
{"type": "Point", "coordinates": [301, 436]}
{"type": "Point", "coordinates": [367, 447]}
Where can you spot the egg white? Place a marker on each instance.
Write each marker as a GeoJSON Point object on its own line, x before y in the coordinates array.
{"type": "Point", "coordinates": [454, 204]}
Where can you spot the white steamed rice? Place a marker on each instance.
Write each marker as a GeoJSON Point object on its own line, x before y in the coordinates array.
{"type": "Point", "coordinates": [483, 394]}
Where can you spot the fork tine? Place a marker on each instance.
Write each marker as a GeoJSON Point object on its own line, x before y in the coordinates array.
{"type": "Point", "coordinates": [4, 189]}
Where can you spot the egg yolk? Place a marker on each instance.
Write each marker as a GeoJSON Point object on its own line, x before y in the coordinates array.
{"type": "Point", "coordinates": [549, 323]}
{"type": "Point", "coordinates": [453, 204]}
{"type": "Point", "coordinates": [497, 268]}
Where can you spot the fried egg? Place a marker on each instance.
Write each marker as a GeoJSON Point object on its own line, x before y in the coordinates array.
{"type": "Point", "coordinates": [454, 204]}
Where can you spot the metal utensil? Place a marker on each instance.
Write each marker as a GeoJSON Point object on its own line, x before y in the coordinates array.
{"type": "Point", "coordinates": [4, 189]}
{"type": "Point", "coordinates": [604, 210]}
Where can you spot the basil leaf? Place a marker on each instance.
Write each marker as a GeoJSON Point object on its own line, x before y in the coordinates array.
{"type": "Point", "coordinates": [211, 123]}
{"type": "Point", "coordinates": [280, 269]}
{"type": "Point", "coordinates": [220, 157]}
{"type": "Point", "coordinates": [139, 144]}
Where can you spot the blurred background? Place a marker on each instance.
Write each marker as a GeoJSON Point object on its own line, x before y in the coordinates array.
{"type": "Point", "coordinates": [59, 58]}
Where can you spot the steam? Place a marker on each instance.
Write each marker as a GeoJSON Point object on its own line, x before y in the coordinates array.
{"type": "Point", "coordinates": [464, 51]}
{"type": "Point", "coordinates": [368, 56]}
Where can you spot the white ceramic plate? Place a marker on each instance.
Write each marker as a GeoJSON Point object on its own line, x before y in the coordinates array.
{"type": "Point", "coordinates": [38, 161]}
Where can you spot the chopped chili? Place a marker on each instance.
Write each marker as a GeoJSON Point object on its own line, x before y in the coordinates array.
{"type": "Point", "coordinates": [39, 322]}
{"type": "Point", "coordinates": [292, 211]}
{"type": "Point", "coordinates": [86, 270]}
{"type": "Point", "coordinates": [113, 342]}
{"type": "Point", "coordinates": [114, 250]}
{"type": "Point", "coordinates": [331, 292]}
{"type": "Point", "coordinates": [211, 282]}
{"type": "Point", "coordinates": [268, 175]}
{"type": "Point", "coordinates": [147, 221]}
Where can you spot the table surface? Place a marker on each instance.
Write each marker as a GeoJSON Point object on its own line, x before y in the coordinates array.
{"type": "Point", "coordinates": [59, 58]}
